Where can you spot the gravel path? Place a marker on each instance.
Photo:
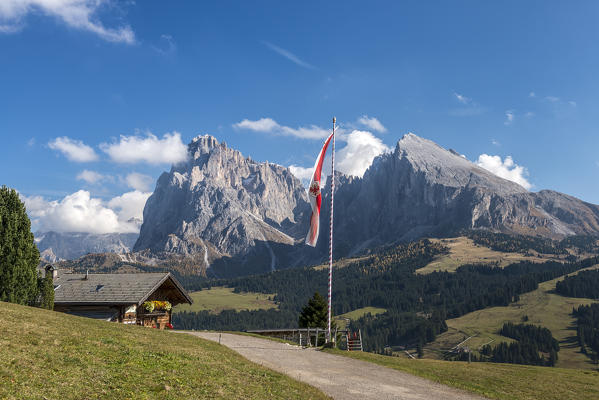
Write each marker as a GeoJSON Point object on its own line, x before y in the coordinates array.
{"type": "Point", "coordinates": [337, 376]}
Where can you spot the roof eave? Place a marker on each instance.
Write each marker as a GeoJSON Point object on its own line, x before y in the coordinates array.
{"type": "Point", "coordinates": [175, 281]}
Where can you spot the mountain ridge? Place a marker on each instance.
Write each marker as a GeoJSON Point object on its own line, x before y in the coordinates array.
{"type": "Point", "coordinates": [421, 189]}
{"type": "Point", "coordinates": [57, 246]}
{"type": "Point", "coordinates": [231, 215]}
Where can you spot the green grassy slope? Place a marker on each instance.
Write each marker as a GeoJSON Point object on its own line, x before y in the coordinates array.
{"type": "Point", "coordinates": [218, 299]}
{"type": "Point", "coordinates": [356, 314]}
{"type": "Point", "coordinates": [463, 250]}
{"type": "Point", "coordinates": [542, 306]}
{"type": "Point", "coordinates": [50, 355]}
{"type": "Point", "coordinates": [496, 381]}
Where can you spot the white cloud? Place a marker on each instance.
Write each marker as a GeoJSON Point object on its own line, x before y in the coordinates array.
{"type": "Point", "coordinates": [372, 123]}
{"type": "Point", "coordinates": [461, 98]}
{"type": "Point", "coordinates": [10, 28]}
{"type": "Point", "coordinates": [139, 181]}
{"type": "Point", "coordinates": [495, 142]}
{"type": "Point", "coordinates": [362, 147]}
{"type": "Point", "coordinates": [259, 125]}
{"type": "Point", "coordinates": [572, 103]}
{"type": "Point", "coordinates": [79, 212]}
{"type": "Point", "coordinates": [74, 150]}
{"type": "Point", "coordinates": [268, 125]}
{"type": "Point", "coordinates": [353, 159]}
{"type": "Point", "coordinates": [529, 114]}
{"type": "Point", "coordinates": [301, 173]}
{"type": "Point", "coordinates": [505, 169]}
{"type": "Point", "coordinates": [130, 205]}
{"type": "Point", "coordinates": [150, 149]}
{"type": "Point", "coordinates": [532, 94]}
{"type": "Point", "coordinates": [552, 99]}
{"type": "Point", "coordinates": [92, 177]}
{"type": "Point", "coordinates": [77, 14]}
{"type": "Point", "coordinates": [509, 117]}
{"type": "Point", "coordinates": [288, 55]}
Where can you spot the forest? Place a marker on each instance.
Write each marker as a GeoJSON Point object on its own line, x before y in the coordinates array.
{"type": "Point", "coordinates": [534, 345]}
{"type": "Point", "coordinates": [523, 244]}
{"type": "Point", "coordinates": [587, 330]}
{"type": "Point", "coordinates": [584, 284]}
{"type": "Point", "coordinates": [417, 305]}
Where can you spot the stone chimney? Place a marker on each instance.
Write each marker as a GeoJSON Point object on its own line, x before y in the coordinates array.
{"type": "Point", "coordinates": [51, 269]}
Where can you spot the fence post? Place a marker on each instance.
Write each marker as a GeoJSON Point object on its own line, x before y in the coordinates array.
{"type": "Point", "coordinates": [360, 332]}
{"type": "Point", "coordinates": [316, 341]}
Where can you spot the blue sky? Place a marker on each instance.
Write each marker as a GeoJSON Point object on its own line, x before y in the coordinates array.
{"type": "Point", "coordinates": [507, 79]}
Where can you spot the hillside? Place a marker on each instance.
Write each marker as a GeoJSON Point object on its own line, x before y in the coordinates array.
{"type": "Point", "coordinates": [495, 381]}
{"type": "Point", "coordinates": [542, 307]}
{"type": "Point", "coordinates": [463, 250]}
{"type": "Point", "coordinates": [217, 299]}
{"type": "Point", "coordinates": [49, 355]}
{"type": "Point", "coordinates": [416, 305]}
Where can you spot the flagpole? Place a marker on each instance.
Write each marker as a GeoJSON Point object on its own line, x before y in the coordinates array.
{"type": "Point", "coordinates": [331, 232]}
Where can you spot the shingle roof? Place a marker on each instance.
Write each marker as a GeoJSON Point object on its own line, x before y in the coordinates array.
{"type": "Point", "coordinates": [109, 288]}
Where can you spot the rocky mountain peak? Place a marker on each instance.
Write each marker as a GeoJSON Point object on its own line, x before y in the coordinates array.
{"type": "Point", "coordinates": [222, 204]}
{"type": "Point", "coordinates": [448, 167]}
{"type": "Point", "coordinates": [202, 144]}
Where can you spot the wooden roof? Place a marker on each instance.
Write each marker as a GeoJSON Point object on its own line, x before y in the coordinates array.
{"type": "Point", "coordinates": [114, 288]}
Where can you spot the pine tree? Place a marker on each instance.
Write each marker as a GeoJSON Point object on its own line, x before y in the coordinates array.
{"type": "Point", "coordinates": [315, 313]}
{"type": "Point", "coordinates": [18, 254]}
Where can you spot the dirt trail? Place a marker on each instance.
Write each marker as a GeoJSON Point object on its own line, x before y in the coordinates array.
{"type": "Point", "coordinates": [337, 376]}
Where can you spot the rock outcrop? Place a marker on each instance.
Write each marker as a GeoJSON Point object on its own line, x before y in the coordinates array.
{"type": "Point", "coordinates": [219, 205]}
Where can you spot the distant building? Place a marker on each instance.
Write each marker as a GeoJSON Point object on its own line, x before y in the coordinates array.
{"type": "Point", "coordinates": [139, 298]}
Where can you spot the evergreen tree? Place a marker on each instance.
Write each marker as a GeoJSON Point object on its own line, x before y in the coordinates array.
{"type": "Point", "coordinates": [47, 292]}
{"type": "Point", "coordinates": [18, 254]}
{"type": "Point", "coordinates": [315, 313]}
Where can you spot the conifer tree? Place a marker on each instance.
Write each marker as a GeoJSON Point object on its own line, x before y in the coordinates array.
{"type": "Point", "coordinates": [19, 255]}
{"type": "Point", "coordinates": [315, 313]}
{"type": "Point", "coordinates": [47, 292]}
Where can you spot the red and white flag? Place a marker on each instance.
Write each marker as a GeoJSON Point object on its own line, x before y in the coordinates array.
{"type": "Point", "coordinates": [315, 196]}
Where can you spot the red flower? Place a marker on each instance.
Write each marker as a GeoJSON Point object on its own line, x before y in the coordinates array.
{"type": "Point", "coordinates": [169, 326]}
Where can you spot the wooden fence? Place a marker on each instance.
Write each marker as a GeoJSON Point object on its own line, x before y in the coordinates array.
{"type": "Point", "coordinates": [307, 337]}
